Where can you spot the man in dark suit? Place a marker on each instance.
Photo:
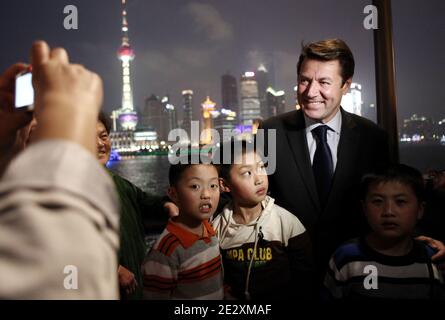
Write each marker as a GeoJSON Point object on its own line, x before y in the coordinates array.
{"type": "Point", "coordinates": [322, 151]}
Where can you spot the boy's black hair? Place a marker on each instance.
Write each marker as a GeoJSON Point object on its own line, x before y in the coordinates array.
{"type": "Point", "coordinates": [234, 148]}
{"type": "Point", "coordinates": [185, 161]}
{"type": "Point", "coordinates": [401, 173]}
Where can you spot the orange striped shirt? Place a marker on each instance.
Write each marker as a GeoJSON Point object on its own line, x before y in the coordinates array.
{"type": "Point", "coordinates": [184, 265]}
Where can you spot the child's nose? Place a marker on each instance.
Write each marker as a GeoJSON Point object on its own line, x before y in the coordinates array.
{"type": "Point", "coordinates": [205, 193]}
{"type": "Point", "coordinates": [388, 209]}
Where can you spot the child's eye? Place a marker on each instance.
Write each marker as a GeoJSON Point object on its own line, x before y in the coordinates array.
{"type": "Point", "coordinates": [247, 173]}
{"type": "Point", "coordinates": [214, 186]}
{"type": "Point", "coordinates": [376, 201]}
{"type": "Point", "coordinates": [194, 186]}
{"type": "Point", "coordinates": [401, 201]}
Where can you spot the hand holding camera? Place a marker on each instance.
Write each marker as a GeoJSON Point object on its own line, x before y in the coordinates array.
{"type": "Point", "coordinates": [10, 121]}
{"type": "Point", "coordinates": [68, 97]}
{"type": "Point", "coordinates": [65, 97]}
{"type": "Point", "coordinates": [24, 91]}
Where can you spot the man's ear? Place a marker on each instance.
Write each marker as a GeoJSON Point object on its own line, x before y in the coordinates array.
{"type": "Point", "coordinates": [173, 194]}
{"type": "Point", "coordinates": [346, 85]}
{"type": "Point", "coordinates": [223, 185]}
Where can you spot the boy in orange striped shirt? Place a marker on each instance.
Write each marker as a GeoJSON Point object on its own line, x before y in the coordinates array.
{"type": "Point", "coordinates": [185, 262]}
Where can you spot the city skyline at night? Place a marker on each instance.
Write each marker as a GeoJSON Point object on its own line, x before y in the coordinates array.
{"type": "Point", "coordinates": [189, 45]}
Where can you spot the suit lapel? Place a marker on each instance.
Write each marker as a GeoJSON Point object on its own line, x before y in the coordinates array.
{"type": "Point", "coordinates": [346, 155]}
{"type": "Point", "coordinates": [298, 144]}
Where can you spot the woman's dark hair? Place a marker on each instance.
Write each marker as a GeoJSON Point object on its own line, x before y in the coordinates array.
{"type": "Point", "coordinates": [103, 117]}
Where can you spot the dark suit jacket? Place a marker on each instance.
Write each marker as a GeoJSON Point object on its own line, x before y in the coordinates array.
{"type": "Point", "coordinates": [362, 146]}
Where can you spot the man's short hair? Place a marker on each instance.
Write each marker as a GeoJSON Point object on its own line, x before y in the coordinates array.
{"type": "Point", "coordinates": [105, 121]}
{"type": "Point", "coordinates": [328, 50]}
{"type": "Point", "coordinates": [401, 173]}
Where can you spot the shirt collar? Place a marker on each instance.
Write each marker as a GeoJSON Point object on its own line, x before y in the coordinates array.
{"type": "Point", "coordinates": [188, 238]}
{"type": "Point", "coordinates": [334, 124]}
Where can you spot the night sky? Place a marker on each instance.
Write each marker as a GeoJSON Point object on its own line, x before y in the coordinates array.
{"type": "Point", "coordinates": [183, 44]}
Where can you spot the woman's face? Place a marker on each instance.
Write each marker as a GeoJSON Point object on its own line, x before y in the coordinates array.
{"type": "Point", "coordinates": [103, 143]}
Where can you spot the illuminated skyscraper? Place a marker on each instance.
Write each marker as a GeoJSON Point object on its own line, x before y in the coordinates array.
{"type": "Point", "coordinates": [250, 103]}
{"type": "Point", "coordinates": [352, 101]}
{"type": "Point", "coordinates": [229, 93]}
{"type": "Point", "coordinates": [440, 131]}
{"type": "Point", "coordinates": [158, 115]}
{"type": "Point", "coordinates": [208, 113]}
{"type": "Point", "coordinates": [151, 117]}
{"type": "Point", "coordinates": [169, 114]}
{"type": "Point", "coordinates": [276, 102]}
{"type": "Point", "coordinates": [187, 95]}
{"type": "Point", "coordinates": [225, 119]}
{"type": "Point", "coordinates": [418, 129]}
{"type": "Point", "coordinates": [261, 77]}
{"type": "Point", "coordinates": [127, 116]}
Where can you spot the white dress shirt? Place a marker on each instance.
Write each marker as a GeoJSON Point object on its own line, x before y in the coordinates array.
{"type": "Point", "coordinates": [333, 135]}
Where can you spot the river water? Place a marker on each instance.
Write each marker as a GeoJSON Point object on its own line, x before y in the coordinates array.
{"type": "Point", "coordinates": [150, 173]}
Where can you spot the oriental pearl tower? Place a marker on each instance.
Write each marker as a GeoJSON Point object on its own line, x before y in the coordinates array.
{"type": "Point", "coordinates": [127, 115]}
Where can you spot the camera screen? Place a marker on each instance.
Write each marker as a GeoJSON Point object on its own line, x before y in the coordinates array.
{"type": "Point", "coordinates": [24, 92]}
